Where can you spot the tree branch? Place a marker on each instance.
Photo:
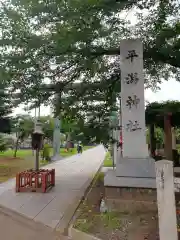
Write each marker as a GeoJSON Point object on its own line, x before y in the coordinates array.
{"type": "Point", "coordinates": [159, 56]}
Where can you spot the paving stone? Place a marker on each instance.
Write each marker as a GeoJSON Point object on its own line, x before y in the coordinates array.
{"type": "Point", "coordinates": [54, 211]}
{"type": "Point", "coordinates": [72, 175]}
{"type": "Point", "coordinates": [35, 205]}
{"type": "Point", "coordinates": [13, 200]}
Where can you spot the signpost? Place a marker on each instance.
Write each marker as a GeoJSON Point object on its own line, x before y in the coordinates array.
{"type": "Point", "coordinates": [166, 200]}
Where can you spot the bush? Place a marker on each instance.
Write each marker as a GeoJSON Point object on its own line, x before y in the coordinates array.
{"type": "Point", "coordinates": [3, 144]}
{"type": "Point", "coordinates": [3, 147]}
{"type": "Point", "coordinates": [46, 152]}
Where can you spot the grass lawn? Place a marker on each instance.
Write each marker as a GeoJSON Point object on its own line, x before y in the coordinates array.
{"type": "Point", "coordinates": [64, 153]}
{"type": "Point", "coordinates": [9, 165]}
{"type": "Point", "coordinates": [22, 153]}
{"type": "Point", "coordinates": [108, 160]}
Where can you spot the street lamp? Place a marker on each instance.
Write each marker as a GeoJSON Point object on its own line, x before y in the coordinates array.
{"type": "Point", "coordinates": [37, 140]}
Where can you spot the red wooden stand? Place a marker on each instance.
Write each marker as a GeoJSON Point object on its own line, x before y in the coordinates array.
{"type": "Point", "coordinates": [35, 181]}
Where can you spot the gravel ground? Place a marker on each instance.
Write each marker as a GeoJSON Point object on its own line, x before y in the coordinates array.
{"type": "Point", "coordinates": [125, 225]}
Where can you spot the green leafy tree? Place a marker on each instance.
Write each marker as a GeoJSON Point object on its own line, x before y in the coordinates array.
{"type": "Point", "coordinates": [5, 108]}
{"type": "Point", "coordinates": [155, 112]}
{"type": "Point", "coordinates": [5, 101]}
{"type": "Point", "coordinates": [48, 127]}
{"type": "Point", "coordinates": [177, 132]}
{"type": "Point", "coordinates": [3, 144]}
{"type": "Point", "coordinates": [23, 126]}
{"type": "Point", "coordinates": [159, 136]}
{"type": "Point", "coordinates": [66, 41]}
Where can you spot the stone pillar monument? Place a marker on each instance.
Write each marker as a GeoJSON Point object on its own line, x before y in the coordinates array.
{"type": "Point", "coordinates": [135, 168]}
{"type": "Point", "coordinates": [132, 100]}
{"type": "Point", "coordinates": [56, 140]}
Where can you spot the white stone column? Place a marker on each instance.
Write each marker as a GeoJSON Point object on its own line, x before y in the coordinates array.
{"type": "Point", "coordinates": [166, 200]}
{"type": "Point", "coordinates": [135, 162]}
{"type": "Point", "coordinates": [132, 99]}
{"type": "Point", "coordinates": [56, 139]}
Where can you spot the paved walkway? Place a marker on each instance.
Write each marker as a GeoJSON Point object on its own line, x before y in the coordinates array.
{"type": "Point", "coordinates": [55, 208]}
{"type": "Point", "coordinates": [14, 227]}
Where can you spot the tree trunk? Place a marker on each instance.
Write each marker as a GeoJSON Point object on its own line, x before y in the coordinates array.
{"type": "Point", "coordinates": [168, 137]}
{"type": "Point", "coordinates": [68, 141]}
{"type": "Point", "coordinates": [16, 147]}
{"type": "Point", "coordinates": [152, 140]}
{"type": "Point", "coordinates": [56, 143]}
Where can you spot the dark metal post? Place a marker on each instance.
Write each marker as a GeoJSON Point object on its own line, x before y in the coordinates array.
{"type": "Point", "coordinates": [37, 159]}
{"type": "Point", "coordinates": [152, 140]}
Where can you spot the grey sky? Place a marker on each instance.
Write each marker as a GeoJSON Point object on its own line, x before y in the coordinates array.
{"type": "Point", "coordinates": [170, 90]}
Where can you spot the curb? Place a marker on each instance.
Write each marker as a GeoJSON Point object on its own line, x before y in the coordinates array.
{"type": "Point", "coordinates": [64, 225]}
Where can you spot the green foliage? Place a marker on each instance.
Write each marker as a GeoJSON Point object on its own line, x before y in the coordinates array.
{"type": "Point", "coordinates": [10, 141]}
{"type": "Point", "coordinates": [177, 132]}
{"type": "Point", "coordinates": [159, 136]}
{"type": "Point", "coordinates": [5, 100]}
{"type": "Point", "coordinates": [3, 144]}
{"type": "Point", "coordinates": [46, 152]}
{"type": "Point", "coordinates": [155, 112]}
{"type": "Point", "coordinates": [74, 45]}
{"type": "Point", "coordinates": [108, 160]}
{"type": "Point", "coordinates": [48, 127]}
{"type": "Point", "coordinates": [24, 127]}
{"type": "Point", "coordinates": [64, 41]}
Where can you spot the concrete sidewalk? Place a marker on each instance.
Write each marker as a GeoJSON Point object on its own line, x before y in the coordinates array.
{"type": "Point", "coordinates": [16, 227]}
{"type": "Point", "coordinates": [55, 208]}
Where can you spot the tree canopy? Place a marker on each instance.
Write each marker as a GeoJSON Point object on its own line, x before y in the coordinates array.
{"type": "Point", "coordinates": [5, 101]}
{"type": "Point", "coordinates": [65, 42]}
{"type": "Point", "coordinates": [155, 112]}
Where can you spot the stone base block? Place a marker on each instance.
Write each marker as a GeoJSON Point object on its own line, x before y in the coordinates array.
{"type": "Point", "coordinates": [131, 199]}
{"type": "Point", "coordinates": [131, 206]}
{"type": "Point", "coordinates": [111, 180]}
{"type": "Point", "coordinates": [136, 167]}
{"type": "Point", "coordinates": [129, 194]}
{"type": "Point", "coordinates": [56, 158]}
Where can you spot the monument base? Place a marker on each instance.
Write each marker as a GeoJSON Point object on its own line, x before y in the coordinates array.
{"type": "Point", "coordinates": [138, 173]}
{"type": "Point", "coordinates": [123, 199]}
{"type": "Point", "coordinates": [56, 158]}
{"type": "Point", "coordinates": [132, 185]}
{"type": "Point", "coordinates": [111, 180]}
{"type": "Point", "coordinates": [130, 193]}
{"type": "Point", "coordinates": [136, 167]}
